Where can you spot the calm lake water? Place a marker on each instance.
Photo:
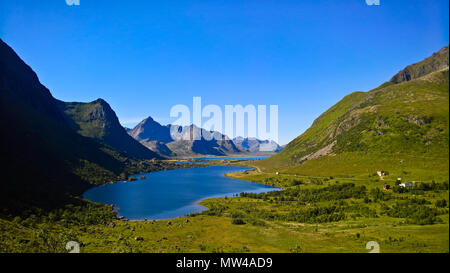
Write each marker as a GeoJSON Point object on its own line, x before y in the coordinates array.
{"type": "Point", "coordinates": [256, 157]}
{"type": "Point", "coordinates": [172, 194]}
{"type": "Point", "coordinates": [209, 159]}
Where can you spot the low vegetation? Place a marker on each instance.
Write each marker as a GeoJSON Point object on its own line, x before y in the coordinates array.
{"type": "Point", "coordinates": [310, 214]}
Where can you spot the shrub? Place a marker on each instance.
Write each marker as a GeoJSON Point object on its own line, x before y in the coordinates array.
{"type": "Point", "coordinates": [441, 203]}
{"type": "Point", "coordinates": [238, 222]}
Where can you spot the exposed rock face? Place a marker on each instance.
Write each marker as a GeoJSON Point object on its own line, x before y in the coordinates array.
{"type": "Point", "coordinates": [191, 140]}
{"type": "Point", "coordinates": [158, 147]}
{"type": "Point", "coordinates": [150, 130]}
{"type": "Point", "coordinates": [321, 152]}
{"type": "Point", "coordinates": [173, 140]}
{"type": "Point", "coordinates": [437, 61]}
{"type": "Point", "coordinates": [254, 145]}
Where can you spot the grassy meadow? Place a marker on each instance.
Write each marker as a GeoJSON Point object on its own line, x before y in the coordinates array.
{"type": "Point", "coordinates": [310, 214]}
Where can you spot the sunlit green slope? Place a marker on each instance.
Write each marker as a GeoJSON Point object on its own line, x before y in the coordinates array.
{"type": "Point", "coordinates": [402, 126]}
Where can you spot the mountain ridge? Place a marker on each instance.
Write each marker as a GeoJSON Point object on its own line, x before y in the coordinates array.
{"type": "Point", "coordinates": [192, 140]}
{"type": "Point", "coordinates": [377, 125]}
{"type": "Point", "coordinates": [97, 120]}
{"type": "Point", "coordinates": [254, 145]}
{"type": "Point", "coordinates": [435, 62]}
{"type": "Point", "coordinates": [46, 161]}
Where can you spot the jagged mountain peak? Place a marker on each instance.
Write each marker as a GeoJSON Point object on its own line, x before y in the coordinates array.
{"type": "Point", "coordinates": [151, 130]}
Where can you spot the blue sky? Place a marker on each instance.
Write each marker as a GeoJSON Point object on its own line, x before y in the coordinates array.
{"type": "Point", "coordinates": [143, 57]}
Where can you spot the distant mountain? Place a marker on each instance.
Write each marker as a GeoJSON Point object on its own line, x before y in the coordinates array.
{"type": "Point", "coordinates": [98, 121]}
{"type": "Point", "coordinates": [403, 125]}
{"type": "Point", "coordinates": [198, 141]}
{"type": "Point", "coordinates": [254, 145]}
{"type": "Point", "coordinates": [186, 141]}
{"type": "Point", "coordinates": [150, 130]}
{"type": "Point", "coordinates": [44, 160]}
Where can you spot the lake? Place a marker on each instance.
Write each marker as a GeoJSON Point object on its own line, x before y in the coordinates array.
{"type": "Point", "coordinates": [256, 157]}
{"type": "Point", "coordinates": [174, 193]}
{"type": "Point", "coordinates": [209, 159]}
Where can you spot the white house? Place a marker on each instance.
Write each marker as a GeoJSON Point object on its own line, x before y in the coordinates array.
{"type": "Point", "coordinates": [406, 185]}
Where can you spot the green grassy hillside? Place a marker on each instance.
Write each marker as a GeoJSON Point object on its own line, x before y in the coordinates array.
{"type": "Point", "coordinates": [399, 127]}
{"type": "Point", "coordinates": [98, 121]}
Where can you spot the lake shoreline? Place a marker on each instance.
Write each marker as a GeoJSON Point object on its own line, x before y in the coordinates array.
{"type": "Point", "coordinates": [197, 207]}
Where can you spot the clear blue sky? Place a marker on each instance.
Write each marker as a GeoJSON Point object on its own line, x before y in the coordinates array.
{"type": "Point", "coordinates": [143, 57]}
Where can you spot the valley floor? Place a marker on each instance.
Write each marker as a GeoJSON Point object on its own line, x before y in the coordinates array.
{"type": "Point", "coordinates": [218, 234]}
{"type": "Point", "coordinates": [311, 215]}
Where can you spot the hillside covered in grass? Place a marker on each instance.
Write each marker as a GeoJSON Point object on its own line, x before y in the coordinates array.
{"type": "Point", "coordinates": [401, 126]}
{"type": "Point", "coordinates": [98, 121]}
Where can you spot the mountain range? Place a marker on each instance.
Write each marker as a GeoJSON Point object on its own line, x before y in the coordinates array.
{"type": "Point", "coordinates": [52, 150]}
{"type": "Point", "coordinates": [254, 145]}
{"type": "Point", "coordinates": [181, 141]}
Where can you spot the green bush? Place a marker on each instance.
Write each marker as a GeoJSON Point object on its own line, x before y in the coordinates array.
{"type": "Point", "coordinates": [238, 222]}
{"type": "Point", "coordinates": [441, 203]}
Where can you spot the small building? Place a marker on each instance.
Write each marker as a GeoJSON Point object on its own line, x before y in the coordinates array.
{"type": "Point", "coordinates": [386, 187]}
{"type": "Point", "coordinates": [399, 180]}
{"type": "Point", "coordinates": [381, 173]}
{"type": "Point", "coordinates": [406, 185]}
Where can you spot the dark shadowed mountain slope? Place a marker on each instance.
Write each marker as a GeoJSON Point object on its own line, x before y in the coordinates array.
{"type": "Point", "coordinates": [158, 147]}
{"type": "Point", "coordinates": [42, 157]}
{"type": "Point", "coordinates": [98, 121]}
{"type": "Point", "coordinates": [403, 127]}
{"type": "Point", "coordinates": [44, 160]}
